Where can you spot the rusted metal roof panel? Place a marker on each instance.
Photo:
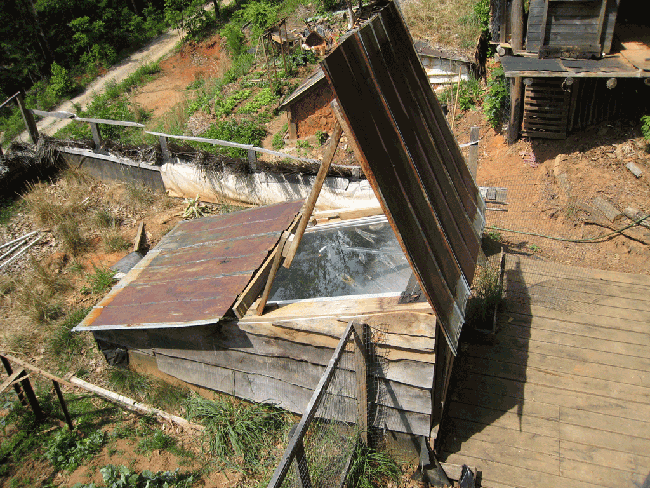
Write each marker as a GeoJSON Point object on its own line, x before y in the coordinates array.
{"type": "Point", "coordinates": [196, 272]}
{"type": "Point", "coordinates": [411, 159]}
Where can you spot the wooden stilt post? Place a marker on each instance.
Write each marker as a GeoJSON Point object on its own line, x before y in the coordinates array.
{"type": "Point", "coordinates": [97, 136]}
{"type": "Point", "coordinates": [516, 108]}
{"type": "Point", "coordinates": [31, 397]}
{"type": "Point", "coordinates": [517, 25]}
{"type": "Point", "coordinates": [64, 407]}
{"type": "Point", "coordinates": [28, 118]}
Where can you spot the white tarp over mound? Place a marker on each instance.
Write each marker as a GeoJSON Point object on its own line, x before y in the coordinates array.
{"type": "Point", "coordinates": [188, 180]}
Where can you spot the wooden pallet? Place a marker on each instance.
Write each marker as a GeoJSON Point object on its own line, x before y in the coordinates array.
{"type": "Point", "coordinates": [546, 108]}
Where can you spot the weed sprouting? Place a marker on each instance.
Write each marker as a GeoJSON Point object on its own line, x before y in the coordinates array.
{"type": "Point", "coordinates": [104, 219]}
{"type": "Point", "coordinates": [487, 292]}
{"type": "Point", "coordinates": [121, 476]}
{"type": "Point", "coordinates": [371, 468]}
{"type": "Point", "coordinates": [115, 242]}
{"type": "Point", "coordinates": [235, 430]}
{"type": "Point", "coordinates": [278, 141]}
{"type": "Point", "coordinates": [100, 281]}
{"type": "Point", "coordinates": [70, 234]}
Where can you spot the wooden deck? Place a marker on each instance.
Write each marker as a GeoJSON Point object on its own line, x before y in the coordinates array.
{"type": "Point", "coordinates": [562, 397]}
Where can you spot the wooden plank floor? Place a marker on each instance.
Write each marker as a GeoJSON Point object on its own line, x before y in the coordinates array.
{"type": "Point", "coordinates": [562, 396]}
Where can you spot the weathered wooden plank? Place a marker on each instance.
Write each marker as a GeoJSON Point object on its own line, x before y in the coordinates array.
{"type": "Point", "coordinates": [518, 474]}
{"type": "Point", "coordinates": [600, 475]}
{"type": "Point", "coordinates": [459, 431]}
{"type": "Point", "coordinates": [513, 456]}
{"type": "Point", "coordinates": [588, 436]}
{"type": "Point", "coordinates": [557, 363]}
{"type": "Point", "coordinates": [499, 387]}
{"type": "Point", "coordinates": [606, 423]}
{"type": "Point", "coordinates": [593, 386]}
{"type": "Point", "coordinates": [532, 417]}
{"type": "Point", "coordinates": [631, 462]}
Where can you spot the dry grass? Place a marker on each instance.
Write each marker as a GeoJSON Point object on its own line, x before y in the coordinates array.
{"type": "Point", "coordinates": [446, 23]}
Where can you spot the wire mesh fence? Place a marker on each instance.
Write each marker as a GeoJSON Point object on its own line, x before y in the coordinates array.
{"type": "Point", "coordinates": [343, 412]}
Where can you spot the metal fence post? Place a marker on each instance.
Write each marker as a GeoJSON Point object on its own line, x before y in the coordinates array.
{"type": "Point", "coordinates": [473, 151]}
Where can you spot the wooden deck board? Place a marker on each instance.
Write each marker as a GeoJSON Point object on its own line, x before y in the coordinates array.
{"type": "Point", "coordinates": [562, 396]}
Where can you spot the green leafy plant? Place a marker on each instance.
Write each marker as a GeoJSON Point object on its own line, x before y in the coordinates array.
{"type": "Point", "coordinates": [67, 451]}
{"type": "Point", "coordinates": [123, 477]}
{"type": "Point", "coordinates": [224, 107]}
{"type": "Point", "coordinates": [237, 430]}
{"type": "Point", "coordinates": [245, 132]}
{"type": "Point", "coordinates": [371, 468]}
{"type": "Point", "coordinates": [264, 97]}
{"type": "Point", "coordinates": [496, 99]}
{"type": "Point", "coordinates": [645, 127]}
{"type": "Point", "coordinates": [156, 441]}
{"type": "Point", "coordinates": [278, 141]}
{"type": "Point", "coordinates": [62, 341]}
{"type": "Point", "coordinates": [487, 292]}
{"type": "Point", "coordinates": [321, 137]}
{"type": "Point", "coordinates": [303, 144]}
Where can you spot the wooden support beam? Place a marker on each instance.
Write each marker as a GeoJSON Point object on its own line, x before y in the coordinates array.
{"type": "Point", "coordinates": [31, 396]}
{"type": "Point", "coordinates": [315, 191]}
{"type": "Point", "coordinates": [97, 136]}
{"type": "Point", "coordinates": [11, 380]}
{"type": "Point", "coordinates": [516, 109]}
{"type": "Point", "coordinates": [28, 118]}
{"type": "Point", "coordinates": [164, 148]}
{"type": "Point", "coordinates": [140, 241]}
{"type": "Point", "coordinates": [64, 407]}
{"type": "Point", "coordinates": [274, 270]}
{"type": "Point", "coordinates": [361, 357]}
{"type": "Point", "coordinates": [517, 25]}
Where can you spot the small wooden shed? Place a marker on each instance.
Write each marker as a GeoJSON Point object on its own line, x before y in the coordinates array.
{"type": "Point", "coordinates": [574, 63]}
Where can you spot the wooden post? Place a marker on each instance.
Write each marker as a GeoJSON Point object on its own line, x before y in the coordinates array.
{"type": "Point", "coordinates": [164, 148]}
{"type": "Point", "coordinates": [97, 136]}
{"type": "Point", "coordinates": [9, 370]}
{"type": "Point", "coordinates": [284, 59]}
{"type": "Point", "coordinates": [473, 151]}
{"type": "Point", "coordinates": [252, 160]}
{"type": "Point", "coordinates": [516, 108]}
{"type": "Point", "coordinates": [64, 407]}
{"type": "Point", "coordinates": [315, 191]}
{"type": "Point", "coordinates": [266, 58]}
{"type": "Point", "coordinates": [293, 129]}
{"type": "Point", "coordinates": [274, 270]}
{"type": "Point", "coordinates": [440, 376]}
{"type": "Point", "coordinates": [28, 118]}
{"type": "Point", "coordinates": [517, 25]}
{"type": "Point", "coordinates": [361, 368]}
{"type": "Point", "coordinates": [31, 397]}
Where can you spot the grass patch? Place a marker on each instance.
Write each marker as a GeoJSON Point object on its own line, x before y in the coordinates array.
{"type": "Point", "coordinates": [104, 219]}
{"type": "Point", "coordinates": [237, 434]}
{"type": "Point", "coordinates": [115, 242]}
{"type": "Point", "coordinates": [246, 132]}
{"type": "Point", "coordinates": [452, 23]}
{"type": "Point", "coordinates": [123, 477]}
{"type": "Point", "coordinates": [487, 292]}
{"type": "Point", "coordinates": [129, 382]}
{"type": "Point", "coordinates": [62, 341]}
{"type": "Point", "coordinates": [371, 468]}
{"type": "Point", "coordinates": [224, 107]}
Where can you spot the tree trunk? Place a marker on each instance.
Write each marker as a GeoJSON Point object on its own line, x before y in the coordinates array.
{"type": "Point", "coordinates": [217, 13]}
{"type": "Point", "coordinates": [43, 42]}
{"type": "Point", "coordinates": [135, 7]}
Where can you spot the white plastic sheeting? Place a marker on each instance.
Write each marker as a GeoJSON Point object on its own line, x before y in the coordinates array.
{"type": "Point", "coordinates": [261, 188]}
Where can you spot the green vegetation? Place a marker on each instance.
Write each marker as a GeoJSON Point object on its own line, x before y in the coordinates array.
{"type": "Point", "coordinates": [278, 140]}
{"type": "Point", "coordinates": [645, 127]}
{"type": "Point", "coordinates": [100, 281]}
{"type": "Point", "coordinates": [245, 132]}
{"type": "Point", "coordinates": [487, 291]}
{"type": "Point", "coordinates": [62, 341]}
{"type": "Point", "coordinates": [470, 94]}
{"type": "Point", "coordinates": [224, 107]}
{"type": "Point", "coordinates": [371, 468]}
{"type": "Point", "coordinates": [321, 137]}
{"type": "Point", "coordinates": [123, 477]}
{"type": "Point", "coordinates": [237, 434]}
{"type": "Point", "coordinates": [114, 242]}
{"type": "Point", "coordinates": [263, 98]}
{"type": "Point", "coordinates": [67, 451]}
{"type": "Point", "coordinates": [496, 99]}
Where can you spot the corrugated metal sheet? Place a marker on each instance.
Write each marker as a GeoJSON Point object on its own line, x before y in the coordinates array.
{"type": "Point", "coordinates": [411, 159]}
{"type": "Point", "coordinates": [196, 272]}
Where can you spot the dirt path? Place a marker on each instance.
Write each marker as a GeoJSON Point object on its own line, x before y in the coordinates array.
{"type": "Point", "coordinates": [156, 49]}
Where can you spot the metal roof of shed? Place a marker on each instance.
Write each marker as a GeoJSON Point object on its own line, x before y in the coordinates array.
{"type": "Point", "coordinates": [196, 272]}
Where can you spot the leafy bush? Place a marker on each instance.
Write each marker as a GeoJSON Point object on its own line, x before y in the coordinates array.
{"type": "Point", "coordinates": [496, 99]}
{"type": "Point", "coordinates": [224, 107]}
{"type": "Point", "coordinates": [60, 82]}
{"type": "Point", "coordinates": [246, 132]}
{"type": "Point", "coordinates": [67, 451]}
{"type": "Point", "coordinates": [469, 94]}
{"type": "Point", "coordinates": [234, 38]}
{"type": "Point", "coordinates": [645, 127]}
{"type": "Point", "coordinates": [278, 141]}
{"type": "Point", "coordinates": [321, 137]}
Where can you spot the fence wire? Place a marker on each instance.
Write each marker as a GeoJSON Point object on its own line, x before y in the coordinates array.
{"type": "Point", "coordinates": [335, 429]}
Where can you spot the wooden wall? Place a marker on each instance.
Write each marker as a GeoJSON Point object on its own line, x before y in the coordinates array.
{"type": "Point", "coordinates": [570, 27]}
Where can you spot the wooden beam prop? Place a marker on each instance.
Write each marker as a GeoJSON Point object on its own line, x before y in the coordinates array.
{"type": "Point", "coordinates": [315, 191]}
{"type": "Point", "coordinates": [361, 367]}
{"type": "Point", "coordinates": [64, 407]}
{"type": "Point", "coordinates": [274, 270]}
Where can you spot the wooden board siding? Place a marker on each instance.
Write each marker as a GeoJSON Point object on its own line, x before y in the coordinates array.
{"type": "Point", "coordinates": [562, 397]}
{"type": "Point", "coordinates": [546, 109]}
{"type": "Point", "coordinates": [571, 26]}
